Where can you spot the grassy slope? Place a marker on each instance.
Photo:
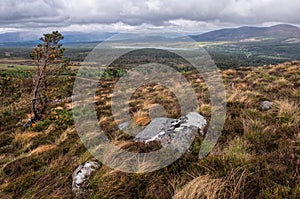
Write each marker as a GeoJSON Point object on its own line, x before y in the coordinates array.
{"type": "Point", "coordinates": [258, 154]}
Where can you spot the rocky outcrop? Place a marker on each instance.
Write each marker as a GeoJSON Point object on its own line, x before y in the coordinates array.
{"type": "Point", "coordinates": [164, 130]}
{"type": "Point", "coordinates": [81, 176]}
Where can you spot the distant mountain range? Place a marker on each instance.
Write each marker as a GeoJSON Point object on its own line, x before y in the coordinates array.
{"type": "Point", "coordinates": [282, 32]}
{"type": "Point", "coordinates": [277, 32]}
{"type": "Point", "coordinates": [30, 39]}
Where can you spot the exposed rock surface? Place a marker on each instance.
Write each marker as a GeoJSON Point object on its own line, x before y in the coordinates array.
{"type": "Point", "coordinates": [164, 130]}
{"type": "Point", "coordinates": [123, 125]}
{"type": "Point", "coordinates": [266, 105]}
{"type": "Point", "coordinates": [81, 176]}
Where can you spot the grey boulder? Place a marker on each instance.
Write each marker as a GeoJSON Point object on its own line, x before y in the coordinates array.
{"type": "Point", "coordinates": [165, 130]}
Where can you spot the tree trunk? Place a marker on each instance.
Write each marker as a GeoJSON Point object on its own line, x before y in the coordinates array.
{"type": "Point", "coordinates": [34, 100]}
{"type": "Point", "coordinates": [45, 97]}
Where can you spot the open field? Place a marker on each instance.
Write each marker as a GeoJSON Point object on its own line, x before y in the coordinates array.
{"type": "Point", "coordinates": [15, 67]}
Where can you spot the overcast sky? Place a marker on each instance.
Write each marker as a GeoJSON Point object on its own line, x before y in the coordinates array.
{"type": "Point", "coordinates": [127, 15]}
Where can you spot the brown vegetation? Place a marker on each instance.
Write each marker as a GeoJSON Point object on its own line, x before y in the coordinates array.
{"type": "Point", "coordinates": [257, 156]}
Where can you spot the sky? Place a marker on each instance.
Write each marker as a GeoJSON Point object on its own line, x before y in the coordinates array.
{"type": "Point", "coordinates": [193, 16]}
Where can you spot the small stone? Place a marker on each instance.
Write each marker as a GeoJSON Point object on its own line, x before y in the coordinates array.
{"type": "Point", "coordinates": [232, 85]}
{"type": "Point", "coordinates": [266, 105]}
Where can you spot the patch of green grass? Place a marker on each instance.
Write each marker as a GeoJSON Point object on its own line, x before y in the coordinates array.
{"type": "Point", "coordinates": [15, 73]}
{"type": "Point", "coordinates": [63, 118]}
{"type": "Point", "coordinates": [41, 125]}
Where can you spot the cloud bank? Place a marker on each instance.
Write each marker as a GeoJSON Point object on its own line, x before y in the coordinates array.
{"type": "Point", "coordinates": [124, 15]}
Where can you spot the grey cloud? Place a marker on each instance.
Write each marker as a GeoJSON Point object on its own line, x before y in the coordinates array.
{"type": "Point", "coordinates": [62, 13]}
{"type": "Point", "coordinates": [31, 11]}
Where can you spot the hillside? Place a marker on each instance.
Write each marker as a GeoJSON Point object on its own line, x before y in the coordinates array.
{"type": "Point", "coordinates": [278, 32]}
{"type": "Point", "coordinates": [257, 156]}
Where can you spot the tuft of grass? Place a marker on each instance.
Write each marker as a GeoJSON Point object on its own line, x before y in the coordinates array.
{"type": "Point", "coordinates": [141, 119]}
{"type": "Point", "coordinates": [205, 110]}
{"type": "Point", "coordinates": [42, 149]}
{"type": "Point", "coordinates": [202, 187]}
{"type": "Point", "coordinates": [235, 183]}
{"type": "Point", "coordinates": [253, 129]}
{"type": "Point", "coordinates": [23, 138]}
{"type": "Point", "coordinates": [238, 150]}
{"type": "Point", "coordinates": [288, 112]}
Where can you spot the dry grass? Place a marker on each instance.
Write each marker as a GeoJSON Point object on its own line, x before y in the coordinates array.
{"type": "Point", "coordinates": [42, 149]}
{"type": "Point", "coordinates": [257, 155]}
{"type": "Point", "coordinates": [50, 129]}
{"type": "Point", "coordinates": [205, 187]}
{"type": "Point", "coordinates": [230, 72]}
{"type": "Point", "coordinates": [235, 182]}
{"type": "Point", "coordinates": [64, 136]}
{"type": "Point", "coordinates": [288, 111]}
{"type": "Point", "coordinates": [141, 119]}
{"type": "Point", "coordinates": [202, 187]}
{"type": "Point", "coordinates": [282, 82]}
{"type": "Point", "coordinates": [25, 140]}
{"type": "Point", "coordinates": [256, 132]}
{"type": "Point", "coordinates": [21, 137]}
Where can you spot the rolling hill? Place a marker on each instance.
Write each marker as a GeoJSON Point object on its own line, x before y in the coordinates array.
{"type": "Point", "coordinates": [279, 32]}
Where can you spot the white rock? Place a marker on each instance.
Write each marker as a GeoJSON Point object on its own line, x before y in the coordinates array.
{"type": "Point", "coordinates": [195, 120]}
{"type": "Point", "coordinates": [81, 176]}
